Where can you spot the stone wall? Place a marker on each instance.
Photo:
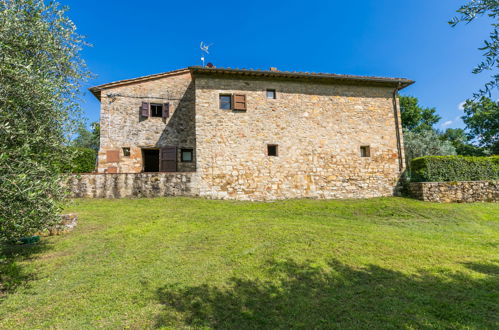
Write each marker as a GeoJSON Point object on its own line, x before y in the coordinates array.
{"type": "Point", "coordinates": [132, 185]}
{"type": "Point", "coordinates": [319, 129]}
{"type": "Point", "coordinates": [123, 127]}
{"type": "Point", "coordinates": [462, 191]}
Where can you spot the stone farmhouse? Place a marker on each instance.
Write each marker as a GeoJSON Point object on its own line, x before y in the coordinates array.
{"type": "Point", "coordinates": [254, 134]}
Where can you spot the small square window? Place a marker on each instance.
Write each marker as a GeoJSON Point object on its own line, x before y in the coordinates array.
{"type": "Point", "coordinates": [226, 102]}
{"type": "Point", "coordinates": [186, 155]}
{"type": "Point", "coordinates": [126, 152]}
{"type": "Point", "coordinates": [271, 149]}
{"type": "Point", "coordinates": [156, 110]}
{"type": "Point", "coordinates": [365, 151]}
{"type": "Point", "coordinates": [271, 93]}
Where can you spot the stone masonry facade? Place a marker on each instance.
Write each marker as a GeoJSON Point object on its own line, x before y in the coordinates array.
{"type": "Point", "coordinates": [332, 136]}
{"type": "Point", "coordinates": [123, 127]}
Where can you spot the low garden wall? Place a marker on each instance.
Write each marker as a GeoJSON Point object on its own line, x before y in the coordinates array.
{"type": "Point", "coordinates": [118, 185]}
{"type": "Point", "coordinates": [461, 191]}
{"type": "Point", "coordinates": [455, 179]}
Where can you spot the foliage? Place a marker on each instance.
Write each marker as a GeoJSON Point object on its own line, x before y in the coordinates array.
{"type": "Point", "coordinates": [425, 143]}
{"type": "Point", "coordinates": [415, 117]}
{"type": "Point", "coordinates": [83, 161]}
{"type": "Point", "coordinates": [40, 74]}
{"type": "Point", "coordinates": [454, 168]}
{"type": "Point", "coordinates": [460, 141]}
{"type": "Point", "coordinates": [421, 138]}
{"type": "Point", "coordinates": [86, 138]}
{"type": "Point", "coordinates": [468, 13]}
{"type": "Point", "coordinates": [185, 263]}
{"type": "Point", "coordinates": [482, 122]}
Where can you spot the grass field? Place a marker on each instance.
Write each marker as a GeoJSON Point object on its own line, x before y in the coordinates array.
{"type": "Point", "coordinates": [194, 263]}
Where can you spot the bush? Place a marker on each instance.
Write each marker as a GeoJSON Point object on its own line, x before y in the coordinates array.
{"type": "Point", "coordinates": [454, 168]}
{"type": "Point", "coordinates": [425, 143]}
{"type": "Point", "coordinates": [82, 160]}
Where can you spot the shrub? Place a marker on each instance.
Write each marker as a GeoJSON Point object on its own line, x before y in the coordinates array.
{"type": "Point", "coordinates": [425, 143]}
{"type": "Point", "coordinates": [83, 160]}
{"type": "Point", "coordinates": [454, 168]}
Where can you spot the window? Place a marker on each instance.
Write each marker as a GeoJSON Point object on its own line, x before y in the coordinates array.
{"type": "Point", "coordinates": [271, 93]}
{"type": "Point", "coordinates": [156, 110]}
{"type": "Point", "coordinates": [160, 160]}
{"type": "Point", "coordinates": [186, 155]}
{"type": "Point", "coordinates": [126, 152]}
{"type": "Point", "coordinates": [365, 151]}
{"type": "Point", "coordinates": [226, 102]}
{"type": "Point", "coordinates": [271, 149]}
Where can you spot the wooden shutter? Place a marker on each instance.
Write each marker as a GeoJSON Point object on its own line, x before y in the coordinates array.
{"type": "Point", "coordinates": [168, 159]}
{"type": "Point", "coordinates": [144, 109]}
{"type": "Point", "coordinates": [239, 102]}
{"type": "Point", "coordinates": [166, 110]}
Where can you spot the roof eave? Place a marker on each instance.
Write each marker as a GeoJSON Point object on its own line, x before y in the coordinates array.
{"type": "Point", "coordinates": [96, 90]}
{"type": "Point", "coordinates": [398, 83]}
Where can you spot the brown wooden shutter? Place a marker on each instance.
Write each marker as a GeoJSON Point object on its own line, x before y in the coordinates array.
{"type": "Point", "coordinates": [168, 159]}
{"type": "Point", "coordinates": [144, 109]}
{"type": "Point", "coordinates": [166, 110]}
{"type": "Point", "coordinates": [239, 102]}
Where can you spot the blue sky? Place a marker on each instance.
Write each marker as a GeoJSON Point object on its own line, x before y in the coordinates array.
{"type": "Point", "coordinates": [409, 39]}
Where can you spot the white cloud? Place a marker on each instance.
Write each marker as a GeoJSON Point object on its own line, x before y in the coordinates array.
{"type": "Point", "coordinates": [460, 106]}
{"type": "Point", "coordinates": [447, 123]}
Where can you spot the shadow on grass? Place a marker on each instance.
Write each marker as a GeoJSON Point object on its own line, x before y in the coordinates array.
{"type": "Point", "coordinates": [487, 269]}
{"type": "Point", "coordinates": [338, 296]}
{"type": "Point", "coordinates": [12, 273]}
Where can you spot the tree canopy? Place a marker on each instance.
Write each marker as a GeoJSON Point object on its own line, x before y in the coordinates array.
{"type": "Point", "coordinates": [415, 117]}
{"type": "Point", "coordinates": [469, 12]}
{"type": "Point", "coordinates": [482, 122]}
{"type": "Point", "coordinates": [86, 138]}
{"type": "Point", "coordinates": [461, 142]}
{"type": "Point", "coordinates": [40, 76]}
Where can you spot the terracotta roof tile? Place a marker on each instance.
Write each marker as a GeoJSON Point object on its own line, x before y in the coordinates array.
{"type": "Point", "coordinates": [96, 89]}
{"type": "Point", "coordinates": [395, 82]}
{"type": "Point", "coordinates": [402, 82]}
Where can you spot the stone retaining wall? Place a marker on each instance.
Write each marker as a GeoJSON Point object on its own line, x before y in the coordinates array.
{"type": "Point", "coordinates": [93, 185]}
{"type": "Point", "coordinates": [463, 191]}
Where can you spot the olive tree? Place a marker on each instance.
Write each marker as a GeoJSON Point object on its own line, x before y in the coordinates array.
{"type": "Point", "coordinates": [425, 143]}
{"type": "Point", "coordinates": [40, 77]}
{"type": "Point", "coordinates": [466, 14]}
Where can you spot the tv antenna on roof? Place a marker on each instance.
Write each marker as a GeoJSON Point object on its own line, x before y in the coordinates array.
{"type": "Point", "coordinates": [204, 48]}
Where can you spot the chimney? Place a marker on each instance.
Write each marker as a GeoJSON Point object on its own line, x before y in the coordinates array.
{"type": "Point", "coordinates": [273, 68]}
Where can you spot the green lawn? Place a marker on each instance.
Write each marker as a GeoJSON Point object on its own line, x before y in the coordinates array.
{"type": "Point", "coordinates": [194, 263]}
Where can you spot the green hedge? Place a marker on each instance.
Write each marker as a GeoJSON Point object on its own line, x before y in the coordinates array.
{"type": "Point", "coordinates": [82, 161]}
{"type": "Point", "coordinates": [454, 168]}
